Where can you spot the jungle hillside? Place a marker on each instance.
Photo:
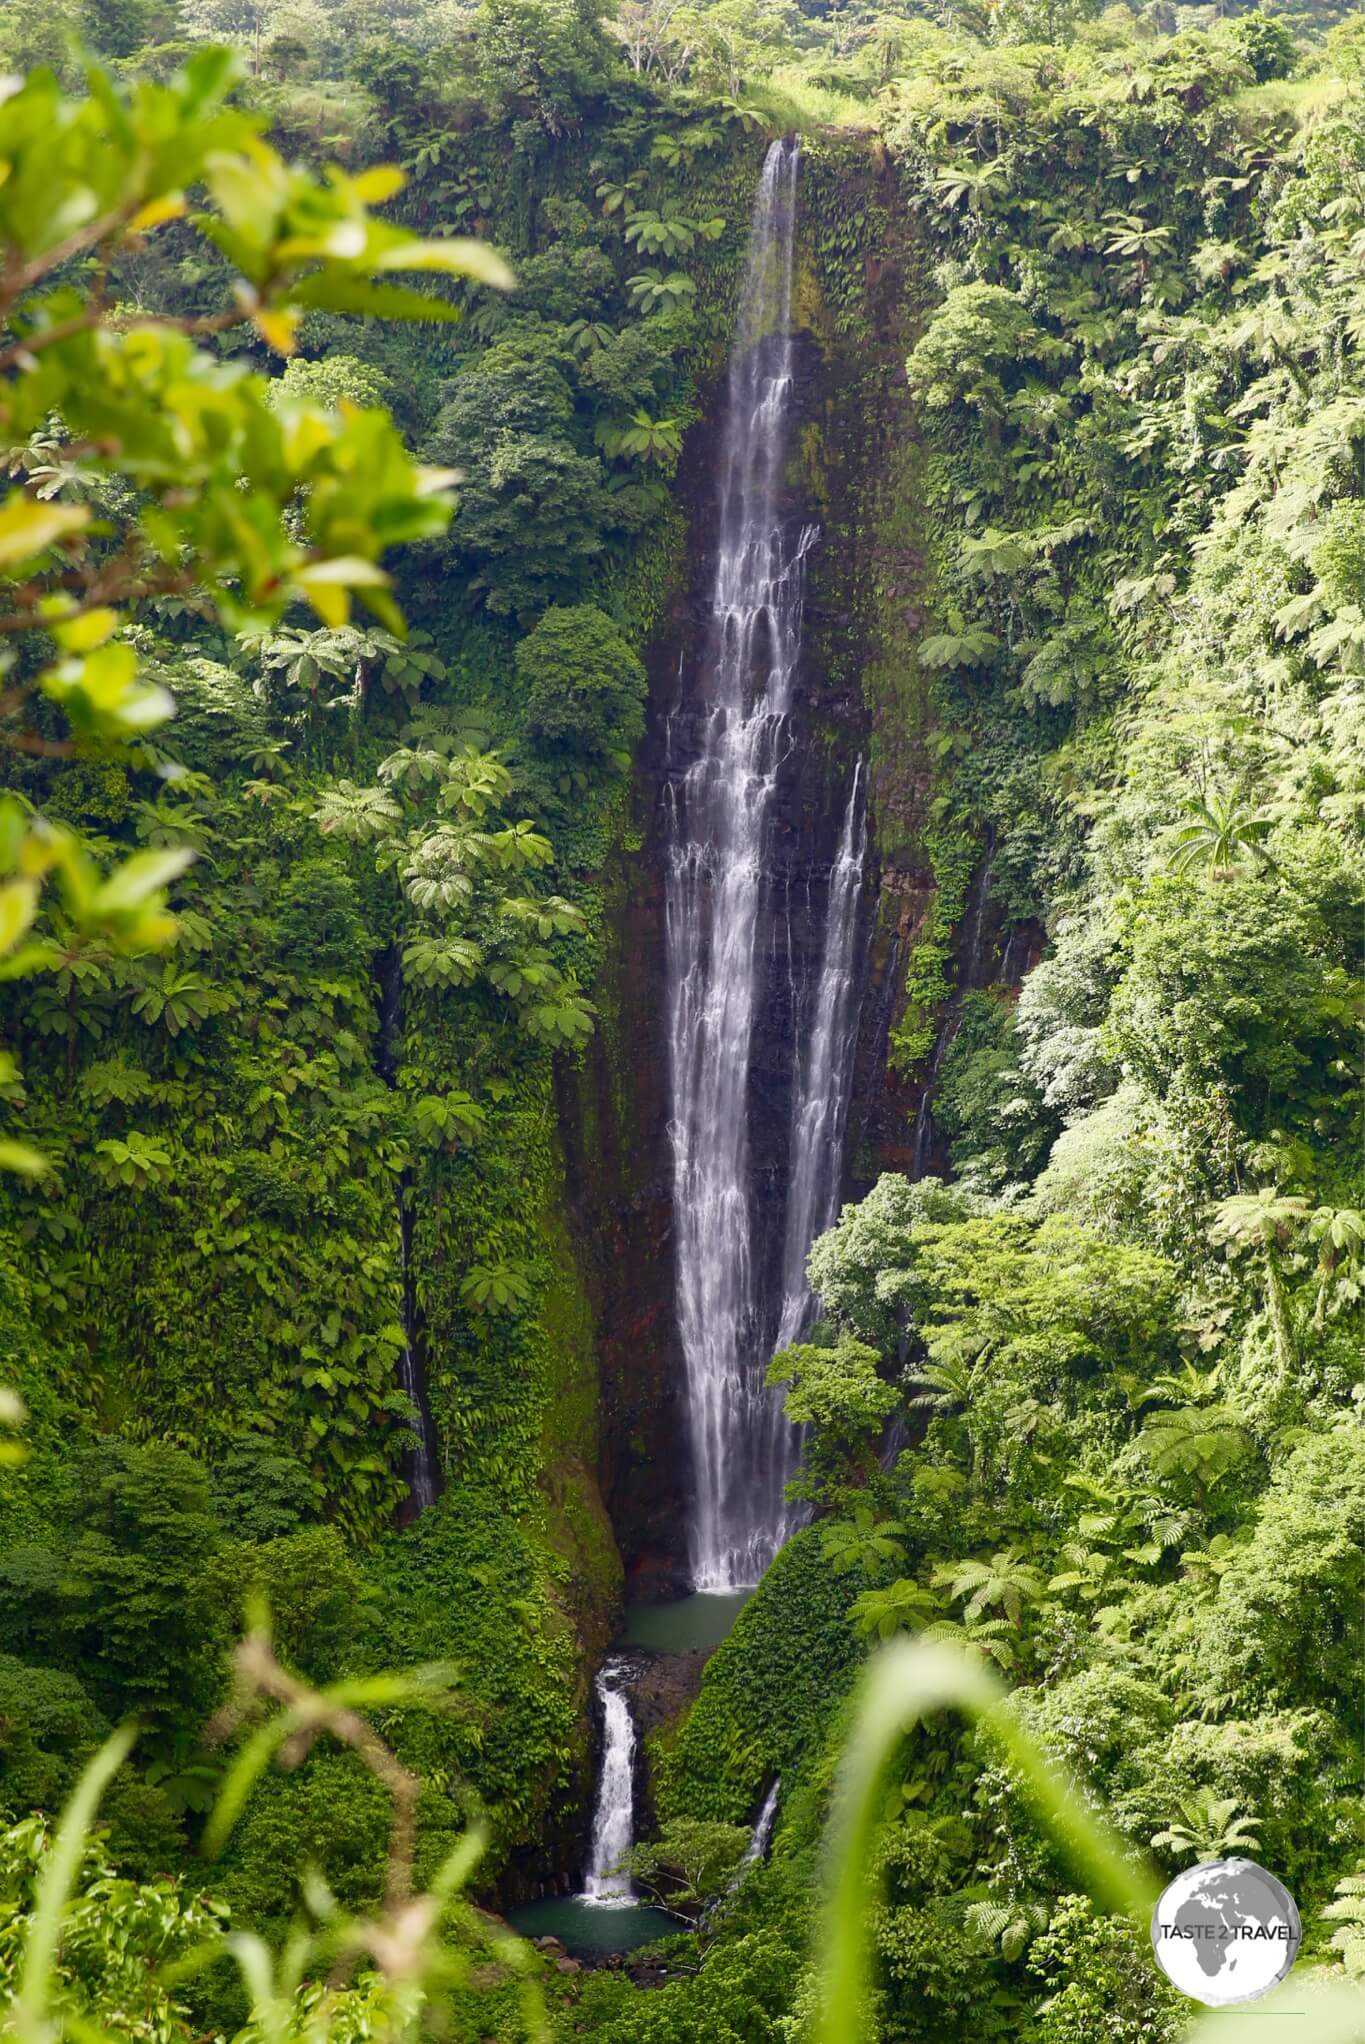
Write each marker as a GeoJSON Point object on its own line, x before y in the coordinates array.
{"type": "Point", "coordinates": [682, 904]}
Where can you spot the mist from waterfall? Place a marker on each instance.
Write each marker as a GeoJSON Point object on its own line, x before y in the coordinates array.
{"type": "Point", "coordinates": [718, 820]}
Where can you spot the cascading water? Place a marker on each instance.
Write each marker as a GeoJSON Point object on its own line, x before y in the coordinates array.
{"type": "Point", "coordinates": [820, 1099]}
{"type": "Point", "coordinates": [613, 1818]}
{"type": "Point", "coordinates": [763, 1829]}
{"type": "Point", "coordinates": [719, 794]}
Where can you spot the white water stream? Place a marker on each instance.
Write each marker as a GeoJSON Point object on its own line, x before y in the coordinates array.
{"type": "Point", "coordinates": [719, 821]}
{"type": "Point", "coordinates": [613, 1818]}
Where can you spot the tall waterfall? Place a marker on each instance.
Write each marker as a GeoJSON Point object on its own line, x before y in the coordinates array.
{"type": "Point", "coordinates": [613, 1818]}
{"type": "Point", "coordinates": [720, 794]}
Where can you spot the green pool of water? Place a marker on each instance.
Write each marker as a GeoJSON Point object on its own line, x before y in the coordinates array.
{"type": "Point", "coordinates": [593, 1926]}
{"type": "Point", "coordinates": [703, 1620]}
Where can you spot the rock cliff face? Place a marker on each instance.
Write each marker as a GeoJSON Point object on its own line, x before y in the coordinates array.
{"type": "Point", "coordinates": [856, 472]}
{"type": "Point", "coordinates": [615, 1109]}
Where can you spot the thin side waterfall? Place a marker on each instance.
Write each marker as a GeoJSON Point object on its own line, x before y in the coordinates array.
{"type": "Point", "coordinates": [613, 1818]}
{"type": "Point", "coordinates": [763, 1829]}
{"type": "Point", "coordinates": [821, 1097]}
{"type": "Point", "coordinates": [820, 1102]}
{"type": "Point", "coordinates": [721, 780]}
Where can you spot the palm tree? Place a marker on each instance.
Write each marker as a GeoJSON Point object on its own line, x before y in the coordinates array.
{"type": "Point", "coordinates": [1005, 1579]}
{"type": "Point", "coordinates": [1201, 1442]}
{"type": "Point", "coordinates": [1136, 239]}
{"type": "Point", "coordinates": [1188, 1385]}
{"type": "Point", "coordinates": [657, 440]}
{"type": "Point", "coordinates": [947, 1381]}
{"type": "Point", "coordinates": [1210, 1827]}
{"type": "Point", "coordinates": [1219, 831]}
{"type": "Point", "coordinates": [900, 1607]}
{"type": "Point", "coordinates": [969, 184]}
{"type": "Point", "coordinates": [1340, 1235]}
{"type": "Point", "coordinates": [1267, 1220]}
{"type": "Point", "coordinates": [860, 1543]}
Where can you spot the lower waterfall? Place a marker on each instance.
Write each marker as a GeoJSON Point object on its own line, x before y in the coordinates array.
{"type": "Point", "coordinates": [763, 1829]}
{"type": "Point", "coordinates": [613, 1818]}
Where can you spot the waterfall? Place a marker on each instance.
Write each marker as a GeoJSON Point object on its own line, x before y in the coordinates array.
{"type": "Point", "coordinates": [763, 1829]}
{"type": "Point", "coordinates": [824, 1078]}
{"type": "Point", "coordinates": [613, 1818]}
{"type": "Point", "coordinates": [720, 783]}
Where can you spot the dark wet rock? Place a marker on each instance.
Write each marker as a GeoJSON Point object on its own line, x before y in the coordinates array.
{"type": "Point", "coordinates": [666, 1685]}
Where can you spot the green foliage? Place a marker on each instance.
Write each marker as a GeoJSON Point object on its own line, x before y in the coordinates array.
{"type": "Point", "coordinates": [50, 1724]}
{"type": "Point", "coordinates": [126, 1602]}
{"type": "Point", "coordinates": [861, 1542]}
{"type": "Point", "coordinates": [535, 509]}
{"type": "Point", "coordinates": [690, 1865]}
{"type": "Point", "coordinates": [930, 976]}
{"type": "Point", "coordinates": [836, 1393]}
{"type": "Point", "coordinates": [752, 1722]}
{"type": "Point", "coordinates": [1096, 1981]}
{"type": "Point", "coordinates": [1289, 1641]}
{"type": "Point", "coordinates": [1210, 1827]}
{"type": "Point", "coordinates": [980, 332]}
{"type": "Point", "coordinates": [584, 685]}
{"type": "Point", "coordinates": [1133, 643]}
{"type": "Point", "coordinates": [987, 1105]}
{"type": "Point", "coordinates": [117, 1936]}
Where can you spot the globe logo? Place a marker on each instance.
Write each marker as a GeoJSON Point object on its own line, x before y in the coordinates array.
{"type": "Point", "coordinates": [1225, 1931]}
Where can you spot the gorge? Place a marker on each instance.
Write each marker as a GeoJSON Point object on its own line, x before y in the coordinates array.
{"type": "Point", "coordinates": [682, 685]}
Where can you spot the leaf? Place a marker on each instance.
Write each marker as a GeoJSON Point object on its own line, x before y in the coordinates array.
{"type": "Point", "coordinates": [278, 328]}
{"type": "Point", "coordinates": [58, 1875]}
{"type": "Point", "coordinates": [904, 1685]}
{"type": "Point", "coordinates": [82, 634]}
{"type": "Point", "coordinates": [327, 292]}
{"type": "Point", "coordinates": [18, 906]}
{"type": "Point", "coordinates": [343, 570]}
{"type": "Point", "coordinates": [170, 206]}
{"type": "Point", "coordinates": [18, 1157]}
{"type": "Point", "coordinates": [145, 874]}
{"type": "Point", "coordinates": [28, 527]}
{"type": "Point", "coordinates": [460, 256]}
{"type": "Point", "coordinates": [381, 182]}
